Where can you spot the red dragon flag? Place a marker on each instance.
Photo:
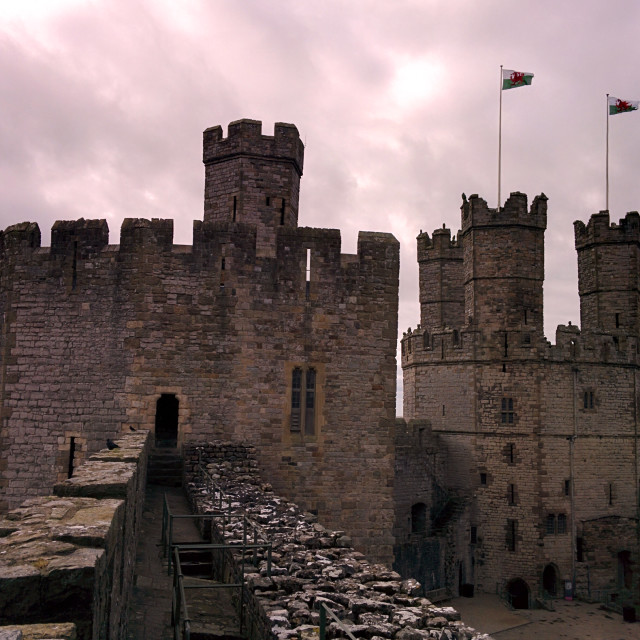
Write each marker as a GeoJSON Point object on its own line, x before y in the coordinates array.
{"type": "Point", "coordinates": [512, 79]}
{"type": "Point", "coordinates": [621, 106]}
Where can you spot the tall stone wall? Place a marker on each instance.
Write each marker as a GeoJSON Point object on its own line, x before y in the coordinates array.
{"type": "Point", "coordinates": [94, 334]}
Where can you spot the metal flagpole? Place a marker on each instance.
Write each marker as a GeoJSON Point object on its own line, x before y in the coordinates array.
{"type": "Point", "coordinates": [500, 140]}
{"type": "Point", "coordinates": [607, 160]}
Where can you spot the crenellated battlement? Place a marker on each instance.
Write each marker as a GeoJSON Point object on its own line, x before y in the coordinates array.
{"type": "Point", "coordinates": [79, 236]}
{"type": "Point", "coordinates": [599, 230]}
{"type": "Point", "coordinates": [439, 246]}
{"type": "Point", "coordinates": [245, 139]}
{"type": "Point", "coordinates": [476, 213]}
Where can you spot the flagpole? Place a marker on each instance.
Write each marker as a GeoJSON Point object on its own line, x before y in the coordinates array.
{"type": "Point", "coordinates": [500, 140]}
{"type": "Point", "coordinates": [607, 159]}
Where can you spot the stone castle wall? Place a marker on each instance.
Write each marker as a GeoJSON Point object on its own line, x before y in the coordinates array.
{"type": "Point", "coordinates": [93, 334]}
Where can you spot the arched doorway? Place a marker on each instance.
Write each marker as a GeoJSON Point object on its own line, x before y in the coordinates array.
{"type": "Point", "coordinates": [518, 592]}
{"type": "Point", "coordinates": [550, 580]}
{"type": "Point", "coordinates": [167, 411]}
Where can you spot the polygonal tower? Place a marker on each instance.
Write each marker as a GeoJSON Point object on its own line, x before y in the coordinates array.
{"type": "Point", "coordinates": [608, 268]}
{"type": "Point", "coordinates": [252, 178]}
{"type": "Point", "coordinates": [504, 263]}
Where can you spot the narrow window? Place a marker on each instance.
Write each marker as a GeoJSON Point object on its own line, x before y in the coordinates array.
{"type": "Point", "coordinates": [512, 529]}
{"type": "Point", "coordinates": [74, 267]}
{"type": "Point", "coordinates": [473, 538]}
{"type": "Point", "coordinates": [235, 207]}
{"type": "Point", "coordinates": [525, 316]}
{"type": "Point", "coordinates": [308, 276]}
{"type": "Point", "coordinates": [409, 345]}
{"type": "Point", "coordinates": [456, 338]}
{"type": "Point", "coordinates": [425, 340]}
{"type": "Point", "coordinates": [223, 264]}
{"type": "Point", "coordinates": [282, 208]}
{"type": "Point", "coordinates": [296, 397]}
{"type": "Point", "coordinates": [506, 345]}
{"type": "Point", "coordinates": [506, 415]}
{"type": "Point", "coordinates": [483, 479]}
{"type": "Point", "coordinates": [610, 494]}
{"type": "Point", "coordinates": [511, 452]}
{"type": "Point", "coordinates": [579, 549]}
{"type": "Point", "coordinates": [268, 201]}
{"type": "Point", "coordinates": [567, 487]}
{"type": "Point", "coordinates": [443, 409]}
{"type": "Point", "coordinates": [511, 494]}
{"type": "Point", "coordinates": [550, 524]}
{"type": "Point", "coordinates": [310, 403]}
{"type": "Point", "coordinates": [72, 454]}
{"type": "Point", "coordinates": [562, 523]}
{"type": "Point", "coordinates": [617, 320]}
{"type": "Point", "coordinates": [504, 368]}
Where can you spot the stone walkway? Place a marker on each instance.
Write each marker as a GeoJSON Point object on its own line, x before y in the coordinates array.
{"type": "Point", "coordinates": [150, 606]}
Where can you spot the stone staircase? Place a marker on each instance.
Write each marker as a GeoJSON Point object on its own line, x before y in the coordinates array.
{"type": "Point", "coordinates": [165, 467]}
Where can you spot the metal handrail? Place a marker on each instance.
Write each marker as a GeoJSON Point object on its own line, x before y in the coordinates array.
{"type": "Point", "coordinates": [323, 622]}
{"type": "Point", "coordinates": [179, 602]}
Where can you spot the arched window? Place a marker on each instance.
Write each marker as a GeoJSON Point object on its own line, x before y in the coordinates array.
{"type": "Point", "coordinates": [296, 398]}
{"type": "Point", "coordinates": [303, 400]}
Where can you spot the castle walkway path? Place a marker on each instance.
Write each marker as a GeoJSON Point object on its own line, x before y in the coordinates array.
{"type": "Point", "coordinates": [150, 605]}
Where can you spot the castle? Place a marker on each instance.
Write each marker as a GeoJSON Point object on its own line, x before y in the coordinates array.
{"type": "Point", "coordinates": [260, 332]}
{"type": "Point", "coordinates": [537, 445]}
{"type": "Point", "coordinates": [516, 466]}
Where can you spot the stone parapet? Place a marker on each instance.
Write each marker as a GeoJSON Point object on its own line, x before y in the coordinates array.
{"type": "Point", "coordinates": [69, 557]}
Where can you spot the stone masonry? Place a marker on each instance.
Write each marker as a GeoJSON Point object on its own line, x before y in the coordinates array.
{"type": "Point", "coordinates": [540, 441]}
{"type": "Point", "coordinates": [260, 332]}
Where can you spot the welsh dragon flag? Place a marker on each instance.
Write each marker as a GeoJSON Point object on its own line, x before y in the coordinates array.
{"type": "Point", "coordinates": [512, 79]}
{"type": "Point", "coordinates": [621, 106]}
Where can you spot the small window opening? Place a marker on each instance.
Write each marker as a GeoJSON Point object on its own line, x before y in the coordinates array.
{"type": "Point", "coordinates": [512, 527]}
{"type": "Point", "coordinates": [443, 410]}
{"type": "Point", "coordinates": [616, 343]}
{"type": "Point", "coordinates": [525, 316]}
{"type": "Point", "coordinates": [507, 414]}
{"type": "Point", "coordinates": [74, 267]}
{"type": "Point", "coordinates": [282, 210]}
{"type": "Point", "coordinates": [506, 345]}
{"type": "Point", "coordinates": [308, 278]}
{"type": "Point", "coordinates": [223, 264]}
{"type": "Point", "coordinates": [511, 494]}
{"type": "Point", "coordinates": [235, 207]}
{"type": "Point", "coordinates": [456, 338]}
{"type": "Point", "coordinates": [419, 518]}
{"type": "Point", "coordinates": [579, 549]}
{"type": "Point", "coordinates": [562, 523]}
{"type": "Point", "coordinates": [296, 398]}
{"type": "Point", "coordinates": [425, 340]}
{"type": "Point", "coordinates": [511, 452]}
{"type": "Point", "coordinates": [268, 201]}
{"type": "Point", "coordinates": [72, 454]}
{"type": "Point", "coordinates": [504, 368]}
{"type": "Point", "coordinates": [550, 524]}
{"type": "Point", "coordinates": [617, 320]}
{"type": "Point", "coordinates": [567, 487]}
{"type": "Point", "coordinates": [483, 478]}
{"type": "Point", "coordinates": [589, 400]}
{"type": "Point", "coordinates": [310, 403]}
{"type": "Point", "coordinates": [473, 538]}
{"type": "Point", "coordinates": [610, 494]}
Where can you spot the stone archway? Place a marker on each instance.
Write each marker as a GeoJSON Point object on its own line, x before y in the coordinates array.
{"type": "Point", "coordinates": [550, 580]}
{"type": "Point", "coordinates": [518, 591]}
{"type": "Point", "coordinates": [167, 412]}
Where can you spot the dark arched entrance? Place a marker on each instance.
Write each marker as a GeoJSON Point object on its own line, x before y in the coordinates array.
{"type": "Point", "coordinates": [167, 420]}
{"type": "Point", "coordinates": [518, 592]}
{"type": "Point", "coordinates": [550, 580]}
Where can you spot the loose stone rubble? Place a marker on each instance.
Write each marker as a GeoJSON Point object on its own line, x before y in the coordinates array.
{"type": "Point", "coordinates": [311, 565]}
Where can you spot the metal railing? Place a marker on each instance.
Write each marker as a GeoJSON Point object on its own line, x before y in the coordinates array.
{"type": "Point", "coordinates": [324, 610]}
{"type": "Point", "coordinates": [179, 610]}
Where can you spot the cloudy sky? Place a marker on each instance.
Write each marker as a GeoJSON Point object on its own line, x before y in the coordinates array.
{"type": "Point", "coordinates": [103, 105]}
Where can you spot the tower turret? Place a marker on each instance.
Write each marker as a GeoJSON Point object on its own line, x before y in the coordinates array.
{"type": "Point", "coordinates": [504, 263]}
{"type": "Point", "coordinates": [441, 285]}
{"type": "Point", "coordinates": [252, 178]}
{"type": "Point", "coordinates": [608, 278]}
